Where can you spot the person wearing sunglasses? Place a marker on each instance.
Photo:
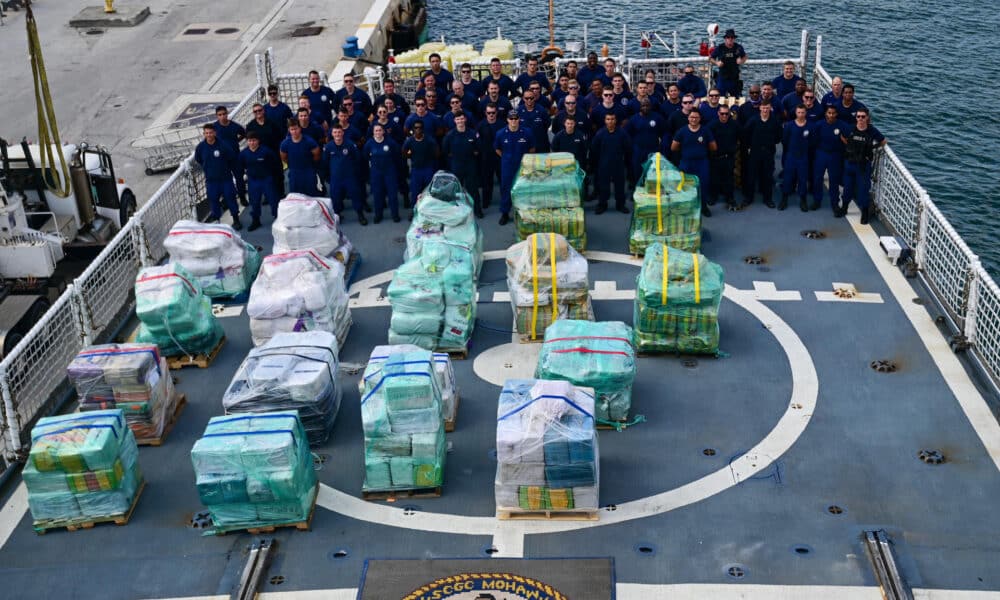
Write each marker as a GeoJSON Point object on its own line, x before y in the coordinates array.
{"type": "Point", "coordinates": [270, 135]}
{"type": "Point", "coordinates": [384, 159]}
{"type": "Point", "coordinates": [709, 109]}
{"type": "Point", "coordinates": [511, 144]}
{"type": "Point", "coordinates": [536, 119]}
{"type": "Point", "coordinates": [468, 102]}
{"type": "Point", "coordinates": [456, 109]}
{"type": "Point", "coordinates": [761, 136]}
{"type": "Point", "coordinates": [571, 110]}
{"type": "Point", "coordinates": [728, 57]}
{"type": "Point", "coordinates": [694, 143]}
{"type": "Point", "coordinates": [322, 100]}
{"type": "Point", "coordinates": [460, 153]}
{"type": "Point", "coordinates": [610, 153]}
{"type": "Point", "coordinates": [678, 120]}
{"type": "Point", "coordinates": [258, 162]}
{"type": "Point", "coordinates": [422, 152]}
{"type": "Point", "coordinates": [277, 111]}
{"type": "Point", "coordinates": [691, 83]}
{"type": "Point", "coordinates": [722, 164]}
{"type": "Point", "coordinates": [472, 86]}
{"type": "Point", "coordinates": [607, 106]}
{"type": "Point", "coordinates": [343, 161]}
{"type": "Point", "coordinates": [389, 91]}
{"type": "Point", "coordinates": [859, 150]}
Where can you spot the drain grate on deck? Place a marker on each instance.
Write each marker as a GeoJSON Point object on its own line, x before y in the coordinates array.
{"type": "Point", "coordinates": [931, 457]}
{"type": "Point", "coordinates": [753, 259]}
{"type": "Point", "coordinates": [813, 234]}
{"type": "Point", "coordinates": [883, 366]}
{"type": "Point", "coordinates": [307, 31]}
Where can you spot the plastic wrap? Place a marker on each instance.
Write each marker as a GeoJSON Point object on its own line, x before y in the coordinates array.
{"type": "Point", "coordinates": [547, 457]}
{"type": "Point", "coordinates": [291, 371]}
{"type": "Point", "coordinates": [401, 413]}
{"type": "Point", "coordinates": [215, 255]}
{"type": "Point", "coordinates": [299, 291]}
{"type": "Point", "coordinates": [547, 181]}
{"type": "Point", "coordinates": [567, 222]}
{"type": "Point", "coordinates": [255, 470]}
{"type": "Point", "coordinates": [677, 302]}
{"type": "Point", "coordinates": [595, 355]}
{"type": "Point", "coordinates": [547, 280]}
{"type": "Point", "coordinates": [667, 208]}
{"type": "Point", "coordinates": [175, 314]}
{"type": "Point", "coordinates": [81, 467]}
{"type": "Point", "coordinates": [499, 48]}
{"type": "Point", "coordinates": [443, 373]}
{"type": "Point", "coordinates": [306, 222]}
{"type": "Point", "coordinates": [446, 187]}
{"type": "Point", "coordinates": [130, 377]}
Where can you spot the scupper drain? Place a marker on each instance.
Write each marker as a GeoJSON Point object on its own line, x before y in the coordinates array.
{"type": "Point", "coordinates": [883, 366]}
{"type": "Point", "coordinates": [931, 457]}
{"type": "Point", "coordinates": [753, 259]}
{"type": "Point", "coordinates": [813, 234]}
{"type": "Point", "coordinates": [201, 520]}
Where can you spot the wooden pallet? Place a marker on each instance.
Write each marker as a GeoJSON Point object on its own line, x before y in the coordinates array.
{"type": "Point", "coordinates": [455, 353]}
{"type": "Point", "coordinates": [88, 522]}
{"type": "Point", "coordinates": [351, 267]}
{"type": "Point", "coordinates": [199, 360]}
{"type": "Point", "coordinates": [393, 495]}
{"type": "Point", "coordinates": [449, 425]}
{"type": "Point", "coordinates": [547, 515]}
{"type": "Point", "coordinates": [179, 401]}
{"type": "Point", "coordinates": [525, 338]}
{"type": "Point", "coordinates": [305, 525]}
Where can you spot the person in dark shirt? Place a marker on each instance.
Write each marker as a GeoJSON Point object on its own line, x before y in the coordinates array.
{"type": "Point", "coordinates": [690, 83]}
{"type": "Point", "coordinates": [310, 128]}
{"type": "Point", "coordinates": [610, 153]}
{"type": "Point", "coordinates": [277, 111]}
{"type": "Point", "coordinates": [645, 130]}
{"type": "Point", "coordinates": [218, 160]}
{"type": "Point", "coordinates": [489, 162]}
{"type": "Point", "coordinates": [460, 149]}
{"type": "Point", "coordinates": [672, 103]}
{"type": "Point", "coordinates": [791, 100]}
{"type": "Point", "coordinates": [848, 107]}
{"type": "Point", "coordinates": [433, 105]}
{"type": "Point", "coordinates": [495, 96]}
{"type": "Point", "coordinates": [574, 140]}
{"type": "Point", "coordinates": [422, 151]}
{"type": "Point", "coordinates": [389, 91]}
{"type": "Point", "coordinates": [232, 133]}
{"type": "Point", "coordinates": [511, 144]}
{"type": "Point", "coordinates": [384, 159]}
{"type": "Point", "coordinates": [726, 132]}
{"type": "Point", "coordinates": [442, 76]}
{"type": "Point", "coordinates": [468, 102]}
{"type": "Point", "coordinates": [589, 72]}
{"type": "Point", "coordinates": [761, 136]}
{"type": "Point", "coordinates": [797, 140]}
{"type": "Point", "coordinates": [829, 160]}
{"type": "Point", "coordinates": [832, 98]}
{"type": "Point", "coordinates": [258, 161]}
{"type": "Point", "coordinates": [693, 143]}
{"type": "Point", "coordinates": [728, 57]}
{"type": "Point", "coordinates": [536, 119]}
{"type": "Point", "coordinates": [571, 110]}
{"type": "Point", "coordinates": [531, 74]}
{"type": "Point", "coordinates": [784, 84]}
{"type": "Point", "coordinates": [496, 75]}
{"type": "Point", "coordinates": [473, 87]}
{"type": "Point", "coordinates": [362, 102]}
{"type": "Point", "coordinates": [322, 100]}
{"type": "Point", "coordinates": [859, 150]}
{"type": "Point", "coordinates": [343, 163]}
{"type": "Point", "coordinates": [301, 154]}
{"type": "Point", "coordinates": [606, 107]}
{"type": "Point", "coordinates": [270, 135]}
{"type": "Point", "coordinates": [709, 109]}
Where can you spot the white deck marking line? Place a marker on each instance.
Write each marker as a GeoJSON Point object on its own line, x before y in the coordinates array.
{"type": "Point", "coordinates": [972, 402]}
{"type": "Point", "coordinates": [766, 291]}
{"type": "Point", "coordinates": [13, 511]}
{"type": "Point", "coordinates": [862, 297]}
{"type": "Point", "coordinates": [249, 40]}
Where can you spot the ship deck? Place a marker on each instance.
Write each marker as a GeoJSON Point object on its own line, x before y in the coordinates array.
{"type": "Point", "coordinates": [795, 418]}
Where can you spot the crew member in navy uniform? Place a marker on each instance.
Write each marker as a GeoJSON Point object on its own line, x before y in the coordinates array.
{"type": "Point", "coordinates": [389, 91]}
{"type": "Point", "coordinates": [310, 128]}
{"type": "Point", "coordinates": [393, 129]}
{"type": "Point", "coordinates": [642, 90]}
{"type": "Point", "coordinates": [726, 131]}
{"type": "Point", "coordinates": [672, 103]}
{"type": "Point", "coordinates": [301, 154]}
{"type": "Point", "coordinates": [574, 140]}
{"type": "Point", "coordinates": [532, 73]}
{"type": "Point", "coordinates": [709, 109]}
{"type": "Point", "coordinates": [656, 89]}
{"type": "Point", "coordinates": [218, 160]}
{"type": "Point", "coordinates": [510, 145]}
{"type": "Point", "coordinates": [573, 88]}
{"type": "Point", "coordinates": [796, 139]}
{"type": "Point", "coordinates": [270, 135]}
{"type": "Point", "coordinates": [760, 136]}
{"type": "Point", "coordinates": [645, 130]}
{"type": "Point", "coordinates": [829, 159]}
{"type": "Point", "coordinates": [468, 102]}
{"type": "Point", "coordinates": [442, 76]}
{"type": "Point", "coordinates": [691, 84]}
{"type": "Point", "coordinates": [434, 106]}
{"type": "Point", "coordinates": [607, 106]}
{"type": "Point", "coordinates": [589, 72]}
{"type": "Point", "coordinates": [848, 107]}
{"type": "Point", "coordinates": [422, 151]}
{"type": "Point", "coordinates": [541, 99]}
{"type": "Point", "coordinates": [571, 110]}
{"type": "Point", "coordinates": [751, 107]}
{"type": "Point", "coordinates": [460, 150]}
{"type": "Point", "coordinates": [497, 76]}
{"type": "Point", "coordinates": [561, 90]}
{"type": "Point", "coordinates": [784, 84]}
{"type": "Point", "coordinates": [832, 98]}
{"type": "Point", "coordinates": [430, 120]}
{"type": "Point", "coordinates": [728, 57]}
{"type": "Point", "coordinates": [791, 100]}
{"type": "Point", "coordinates": [258, 161]}
{"type": "Point", "coordinates": [679, 119]}
{"type": "Point", "coordinates": [277, 111]}
{"type": "Point", "coordinates": [343, 163]}
{"type": "Point", "coordinates": [694, 142]}
{"type": "Point", "coordinates": [608, 76]}
{"type": "Point", "coordinates": [384, 158]}
{"type": "Point", "coordinates": [232, 133]}
{"type": "Point", "coordinates": [610, 153]}
{"type": "Point", "coordinates": [489, 162]}
{"type": "Point", "coordinates": [860, 145]}
{"type": "Point", "coordinates": [456, 109]}
{"type": "Point", "coordinates": [494, 95]}
{"type": "Point", "coordinates": [622, 94]}
{"type": "Point", "coordinates": [536, 119]}
{"type": "Point", "coordinates": [473, 87]}
{"type": "Point", "coordinates": [322, 100]}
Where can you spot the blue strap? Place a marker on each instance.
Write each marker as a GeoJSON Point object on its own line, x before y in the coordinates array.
{"type": "Point", "coordinates": [384, 377]}
{"type": "Point", "coordinates": [85, 417]}
{"type": "Point", "coordinates": [241, 433]}
{"type": "Point", "coordinates": [407, 362]}
{"type": "Point", "coordinates": [252, 417]}
{"type": "Point", "coordinates": [533, 400]}
{"type": "Point", "coordinates": [65, 429]}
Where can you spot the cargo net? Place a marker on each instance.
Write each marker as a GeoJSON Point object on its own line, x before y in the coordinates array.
{"type": "Point", "coordinates": [175, 313]}
{"type": "Point", "coordinates": [403, 421]}
{"type": "Point", "coordinates": [596, 355]}
{"type": "Point", "coordinates": [667, 208]}
{"type": "Point", "coordinates": [547, 280]}
{"type": "Point", "coordinates": [677, 302]}
{"type": "Point", "coordinates": [546, 198]}
{"type": "Point", "coordinates": [547, 458]}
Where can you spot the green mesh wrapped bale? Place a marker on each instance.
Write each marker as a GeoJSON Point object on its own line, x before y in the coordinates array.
{"type": "Point", "coordinates": [640, 237]}
{"type": "Point", "coordinates": [669, 175]}
{"type": "Point", "coordinates": [547, 181]}
{"type": "Point", "coordinates": [677, 302]}
{"type": "Point", "coordinates": [597, 355]}
{"type": "Point", "coordinates": [668, 213]}
{"type": "Point", "coordinates": [567, 222]}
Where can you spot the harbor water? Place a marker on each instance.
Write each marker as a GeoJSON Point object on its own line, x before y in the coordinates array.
{"type": "Point", "coordinates": [929, 72]}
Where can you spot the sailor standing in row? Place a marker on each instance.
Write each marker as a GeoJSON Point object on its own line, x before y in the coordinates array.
{"type": "Point", "coordinates": [232, 133]}
{"type": "Point", "coordinates": [460, 149]}
{"type": "Point", "coordinates": [422, 151]}
{"type": "Point", "coordinates": [322, 100]}
{"type": "Point", "coordinates": [860, 145]}
{"type": "Point", "coordinates": [258, 162]}
{"type": "Point", "coordinates": [760, 137]}
{"type": "Point", "coordinates": [796, 142]}
{"type": "Point", "coordinates": [610, 153]}
{"type": "Point", "coordinates": [218, 161]}
{"type": "Point", "coordinates": [511, 144]}
{"type": "Point", "coordinates": [726, 132]}
{"type": "Point", "coordinates": [343, 161]}
{"type": "Point", "coordinates": [270, 133]}
{"type": "Point", "coordinates": [829, 159]}
{"type": "Point", "coordinates": [384, 158]}
{"type": "Point", "coordinates": [645, 130]}
{"type": "Point", "coordinates": [694, 142]}
{"type": "Point", "coordinates": [536, 119]}
{"type": "Point", "coordinates": [301, 154]}
{"type": "Point", "coordinates": [489, 163]}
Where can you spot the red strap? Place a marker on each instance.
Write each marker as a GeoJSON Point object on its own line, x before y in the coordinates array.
{"type": "Point", "coordinates": [321, 207]}
{"type": "Point", "coordinates": [589, 351]}
{"type": "Point", "coordinates": [164, 276]}
{"type": "Point", "coordinates": [203, 232]}
{"type": "Point", "coordinates": [294, 254]}
{"type": "Point", "coordinates": [589, 337]}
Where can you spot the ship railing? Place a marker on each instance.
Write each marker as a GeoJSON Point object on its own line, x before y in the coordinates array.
{"type": "Point", "coordinates": [406, 76]}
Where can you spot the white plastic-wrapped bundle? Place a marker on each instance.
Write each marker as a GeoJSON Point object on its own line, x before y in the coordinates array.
{"type": "Point", "coordinates": [215, 254]}
{"type": "Point", "coordinates": [299, 291]}
{"type": "Point", "coordinates": [443, 372]}
{"type": "Point", "coordinates": [307, 222]}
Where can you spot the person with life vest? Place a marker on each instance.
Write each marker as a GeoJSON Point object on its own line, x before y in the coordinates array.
{"type": "Point", "coordinates": [301, 154]}
{"type": "Point", "coordinates": [693, 143]}
{"type": "Point", "coordinates": [460, 150]}
{"type": "Point", "coordinates": [511, 144]}
{"type": "Point", "coordinates": [796, 139]}
{"type": "Point", "coordinates": [728, 57]}
{"type": "Point", "coordinates": [218, 161]}
{"type": "Point", "coordinates": [829, 160]}
{"type": "Point", "coordinates": [859, 150]}
{"type": "Point", "coordinates": [610, 153]}
{"type": "Point", "coordinates": [384, 158]}
{"type": "Point", "coordinates": [257, 161]}
{"type": "Point", "coordinates": [343, 161]}
{"type": "Point", "coordinates": [760, 137]}
{"type": "Point", "coordinates": [726, 131]}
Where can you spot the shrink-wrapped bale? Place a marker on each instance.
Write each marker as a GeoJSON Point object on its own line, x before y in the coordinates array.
{"type": "Point", "coordinates": [291, 371]}
{"type": "Point", "coordinates": [255, 470]}
{"type": "Point", "coordinates": [403, 422]}
{"type": "Point", "coordinates": [444, 212]}
{"type": "Point", "coordinates": [130, 377]}
{"type": "Point", "coordinates": [174, 312]}
{"type": "Point", "coordinates": [567, 222]}
{"type": "Point", "coordinates": [547, 457]}
{"type": "Point", "coordinates": [299, 291]}
{"type": "Point", "coordinates": [595, 355]}
{"type": "Point", "coordinates": [81, 467]}
{"type": "Point", "coordinates": [547, 280]}
{"type": "Point", "coordinates": [443, 373]}
{"type": "Point", "coordinates": [546, 197]}
{"type": "Point", "coordinates": [677, 302]}
{"type": "Point", "coordinates": [306, 222]}
{"type": "Point", "coordinates": [667, 208]}
{"type": "Point", "coordinates": [215, 255]}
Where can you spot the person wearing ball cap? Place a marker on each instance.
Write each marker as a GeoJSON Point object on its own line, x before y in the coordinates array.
{"type": "Point", "coordinates": [728, 57]}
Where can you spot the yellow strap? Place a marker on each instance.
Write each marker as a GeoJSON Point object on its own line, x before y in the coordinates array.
{"type": "Point", "coordinates": [663, 280]}
{"type": "Point", "coordinates": [555, 286]}
{"type": "Point", "coordinates": [680, 185]}
{"type": "Point", "coordinates": [659, 211]}
{"type": "Point", "coordinates": [534, 282]}
{"type": "Point", "coordinates": [697, 282]}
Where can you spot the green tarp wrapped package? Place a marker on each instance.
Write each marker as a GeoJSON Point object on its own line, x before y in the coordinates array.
{"type": "Point", "coordinates": [255, 470]}
{"type": "Point", "coordinates": [401, 414]}
{"type": "Point", "coordinates": [668, 212]}
{"type": "Point", "coordinates": [81, 466]}
{"type": "Point", "coordinates": [670, 176]}
{"type": "Point", "coordinates": [567, 222]}
{"type": "Point", "coordinates": [175, 314]}
{"type": "Point", "coordinates": [546, 181]}
{"type": "Point", "coordinates": [547, 280]}
{"type": "Point", "coordinates": [677, 302]}
{"type": "Point", "coordinates": [640, 237]}
{"type": "Point", "coordinates": [597, 355]}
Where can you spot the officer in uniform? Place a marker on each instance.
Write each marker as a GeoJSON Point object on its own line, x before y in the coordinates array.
{"type": "Point", "coordinates": [589, 72]}
{"type": "Point", "coordinates": [645, 130]}
{"type": "Point", "coordinates": [832, 98]}
{"type": "Point", "coordinates": [489, 162]}
{"type": "Point", "coordinates": [389, 91]}
{"type": "Point", "coordinates": [679, 119]}
{"type": "Point", "coordinates": [523, 81]}
{"type": "Point", "coordinates": [277, 111]}
{"type": "Point", "coordinates": [310, 128]}
{"type": "Point", "coordinates": [269, 134]}
{"type": "Point", "coordinates": [784, 84]}
{"type": "Point", "coordinates": [694, 142]}
{"type": "Point", "coordinates": [442, 76]}
{"type": "Point", "coordinates": [467, 101]}
{"type": "Point", "coordinates": [258, 161]}
{"type": "Point", "coordinates": [430, 120]}
{"type": "Point", "coordinates": [456, 109]}
{"type": "Point", "coordinates": [495, 95]}
{"type": "Point", "coordinates": [572, 111]}
{"type": "Point", "coordinates": [610, 153]}
{"type": "Point", "coordinates": [728, 57]}
{"type": "Point", "coordinates": [384, 158]}
{"type": "Point", "coordinates": [504, 83]}
{"type": "Point", "coordinates": [461, 153]}
{"type": "Point", "coordinates": [829, 159]}
{"type": "Point", "coordinates": [301, 154]}
{"type": "Point", "coordinates": [510, 145]}
{"type": "Point", "coordinates": [689, 83]}
{"type": "Point", "coordinates": [791, 100]}
{"type": "Point", "coordinates": [536, 119]}
{"type": "Point", "coordinates": [860, 145]}
{"type": "Point", "coordinates": [473, 87]}
{"type": "Point", "coordinates": [672, 103]}
{"type": "Point", "coordinates": [574, 140]}
{"type": "Point", "coordinates": [726, 132]}
{"type": "Point", "coordinates": [848, 107]}
{"type": "Point", "coordinates": [343, 161]}
{"type": "Point", "coordinates": [232, 133]}
{"type": "Point", "coordinates": [710, 108]}
{"type": "Point", "coordinates": [322, 100]}
{"type": "Point", "coordinates": [422, 151]}
{"type": "Point", "coordinates": [797, 140]}
{"type": "Point", "coordinates": [393, 129]}
{"type": "Point", "coordinates": [760, 136]}
{"type": "Point", "coordinates": [218, 161]}
{"type": "Point", "coordinates": [607, 106]}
